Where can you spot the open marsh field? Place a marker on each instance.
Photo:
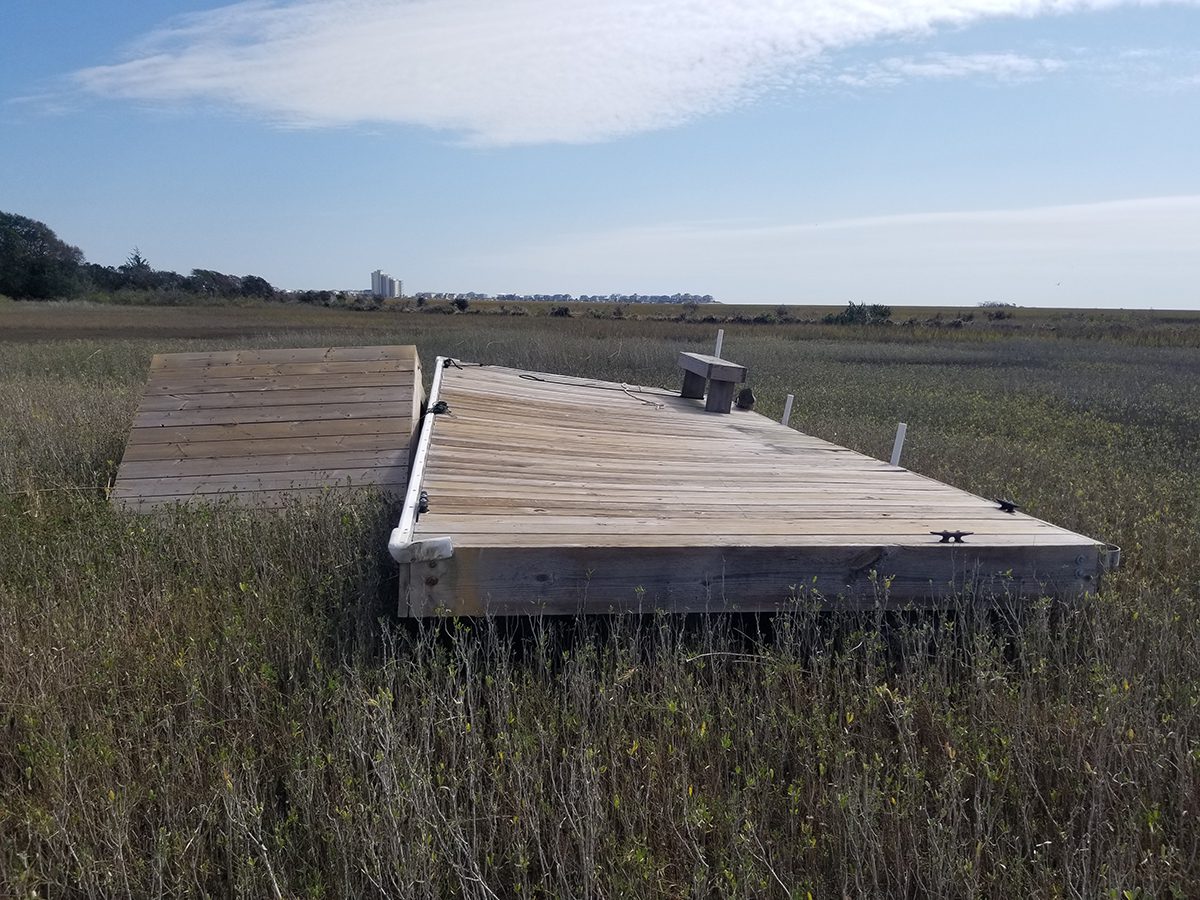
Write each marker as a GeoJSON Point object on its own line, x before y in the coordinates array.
{"type": "Point", "coordinates": [216, 704]}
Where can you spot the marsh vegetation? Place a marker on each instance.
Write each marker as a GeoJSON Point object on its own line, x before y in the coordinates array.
{"type": "Point", "coordinates": [216, 703]}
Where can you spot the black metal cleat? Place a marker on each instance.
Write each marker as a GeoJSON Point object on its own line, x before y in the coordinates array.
{"type": "Point", "coordinates": [440, 407]}
{"type": "Point", "coordinates": [951, 537]}
{"type": "Point", "coordinates": [1007, 506]}
{"type": "Point", "coordinates": [423, 502]}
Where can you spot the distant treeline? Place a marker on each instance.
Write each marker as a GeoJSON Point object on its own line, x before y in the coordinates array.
{"type": "Point", "coordinates": [136, 274]}
{"type": "Point", "coordinates": [36, 265]}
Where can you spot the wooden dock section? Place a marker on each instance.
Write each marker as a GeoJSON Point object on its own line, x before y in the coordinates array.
{"type": "Point", "coordinates": [546, 493]}
{"type": "Point", "coordinates": [259, 426]}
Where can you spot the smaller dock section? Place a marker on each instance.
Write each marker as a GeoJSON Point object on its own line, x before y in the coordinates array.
{"type": "Point", "coordinates": [259, 426]}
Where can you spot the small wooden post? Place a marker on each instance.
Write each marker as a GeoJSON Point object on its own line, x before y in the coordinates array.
{"type": "Point", "coordinates": [720, 341]}
{"type": "Point", "coordinates": [901, 431]}
{"type": "Point", "coordinates": [787, 410]}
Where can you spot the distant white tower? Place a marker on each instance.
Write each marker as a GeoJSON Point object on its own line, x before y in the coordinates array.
{"type": "Point", "coordinates": [384, 285]}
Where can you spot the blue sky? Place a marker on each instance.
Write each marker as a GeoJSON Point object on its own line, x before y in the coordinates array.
{"type": "Point", "coordinates": [915, 152]}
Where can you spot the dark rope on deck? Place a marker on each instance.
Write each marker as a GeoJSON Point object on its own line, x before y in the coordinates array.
{"type": "Point", "coordinates": [624, 388]}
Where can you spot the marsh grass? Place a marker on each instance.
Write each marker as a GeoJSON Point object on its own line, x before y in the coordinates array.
{"type": "Point", "coordinates": [220, 703]}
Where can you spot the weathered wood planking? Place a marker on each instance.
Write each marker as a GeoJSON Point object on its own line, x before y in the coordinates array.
{"type": "Point", "coordinates": [566, 495]}
{"type": "Point", "coordinates": [260, 426]}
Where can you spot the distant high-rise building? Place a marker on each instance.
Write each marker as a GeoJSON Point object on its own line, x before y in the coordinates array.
{"type": "Point", "coordinates": [384, 285]}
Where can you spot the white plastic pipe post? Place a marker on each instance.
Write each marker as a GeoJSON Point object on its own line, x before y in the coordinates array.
{"type": "Point", "coordinates": [787, 410]}
{"type": "Point", "coordinates": [901, 430]}
{"type": "Point", "coordinates": [720, 341]}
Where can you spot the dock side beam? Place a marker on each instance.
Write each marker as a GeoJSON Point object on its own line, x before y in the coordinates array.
{"type": "Point", "coordinates": [401, 545]}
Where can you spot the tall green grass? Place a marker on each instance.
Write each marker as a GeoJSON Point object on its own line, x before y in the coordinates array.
{"type": "Point", "coordinates": [216, 702]}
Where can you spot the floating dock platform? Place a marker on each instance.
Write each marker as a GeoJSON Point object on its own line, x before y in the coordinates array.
{"type": "Point", "coordinates": [540, 493]}
{"type": "Point", "coordinates": [527, 492]}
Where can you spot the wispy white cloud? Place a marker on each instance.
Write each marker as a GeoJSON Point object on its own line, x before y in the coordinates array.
{"type": "Point", "coordinates": [1154, 69]}
{"type": "Point", "coordinates": [1006, 67]}
{"type": "Point", "coordinates": [530, 71]}
{"type": "Point", "coordinates": [1129, 252]}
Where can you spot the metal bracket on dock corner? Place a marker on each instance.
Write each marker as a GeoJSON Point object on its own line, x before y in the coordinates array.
{"type": "Point", "coordinates": [425, 550]}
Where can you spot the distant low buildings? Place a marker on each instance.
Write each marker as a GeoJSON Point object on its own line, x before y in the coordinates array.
{"type": "Point", "coordinates": [384, 285]}
{"type": "Point", "coordinates": [568, 298]}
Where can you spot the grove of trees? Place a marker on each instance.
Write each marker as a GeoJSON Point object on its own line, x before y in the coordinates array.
{"type": "Point", "coordinates": [36, 265]}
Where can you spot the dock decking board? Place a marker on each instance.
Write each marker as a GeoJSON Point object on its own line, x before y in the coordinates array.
{"type": "Point", "coordinates": [566, 495]}
{"type": "Point", "coordinates": [262, 425]}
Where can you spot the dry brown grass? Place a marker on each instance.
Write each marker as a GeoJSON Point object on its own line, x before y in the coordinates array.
{"type": "Point", "coordinates": [216, 703]}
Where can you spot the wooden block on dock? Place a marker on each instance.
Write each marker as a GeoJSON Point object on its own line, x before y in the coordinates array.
{"type": "Point", "coordinates": [712, 368]}
{"type": "Point", "coordinates": [710, 376]}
